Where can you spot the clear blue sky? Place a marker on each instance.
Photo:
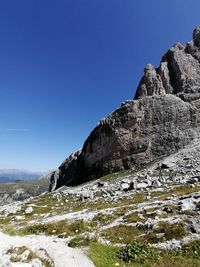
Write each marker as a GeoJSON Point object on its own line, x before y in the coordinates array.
{"type": "Point", "coordinates": [66, 64]}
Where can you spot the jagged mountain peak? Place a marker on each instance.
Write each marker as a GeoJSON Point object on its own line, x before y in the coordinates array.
{"type": "Point", "coordinates": [163, 118]}
{"type": "Point", "coordinates": [178, 73]}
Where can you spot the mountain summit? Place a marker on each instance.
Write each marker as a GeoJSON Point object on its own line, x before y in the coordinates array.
{"type": "Point", "coordinates": [163, 118]}
{"type": "Point", "coordinates": [178, 73]}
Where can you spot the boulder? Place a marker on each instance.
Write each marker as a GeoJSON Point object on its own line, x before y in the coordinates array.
{"type": "Point", "coordinates": [36, 263]}
{"type": "Point", "coordinates": [28, 210]}
{"type": "Point", "coordinates": [126, 184]}
{"type": "Point", "coordinates": [19, 217]}
{"type": "Point", "coordinates": [140, 186]}
{"type": "Point", "coordinates": [151, 224]}
{"type": "Point", "coordinates": [156, 184]}
{"type": "Point", "coordinates": [25, 255]}
{"type": "Point", "coordinates": [187, 204]}
{"type": "Point", "coordinates": [86, 194]}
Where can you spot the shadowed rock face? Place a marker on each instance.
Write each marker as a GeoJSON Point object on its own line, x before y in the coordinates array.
{"type": "Point", "coordinates": [163, 118]}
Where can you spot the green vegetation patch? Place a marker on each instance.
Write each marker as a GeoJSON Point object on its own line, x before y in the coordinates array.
{"type": "Point", "coordinates": [107, 218]}
{"type": "Point", "coordinates": [61, 228]}
{"type": "Point", "coordinates": [122, 234]}
{"type": "Point", "coordinates": [103, 256]}
{"type": "Point", "coordinates": [125, 234]}
{"type": "Point", "coordinates": [137, 255]}
{"type": "Point", "coordinates": [81, 241]}
{"type": "Point", "coordinates": [176, 190]}
{"type": "Point", "coordinates": [165, 231]}
{"type": "Point", "coordinates": [133, 218]}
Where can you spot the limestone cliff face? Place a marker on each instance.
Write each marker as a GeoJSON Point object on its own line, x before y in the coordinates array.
{"type": "Point", "coordinates": [163, 117]}
{"type": "Point", "coordinates": [178, 73]}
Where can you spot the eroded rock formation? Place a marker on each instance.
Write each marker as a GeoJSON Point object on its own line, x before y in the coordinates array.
{"type": "Point", "coordinates": [178, 73]}
{"type": "Point", "coordinates": [163, 118]}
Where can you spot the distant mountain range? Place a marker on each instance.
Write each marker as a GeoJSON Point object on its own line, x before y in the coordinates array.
{"type": "Point", "coordinates": [11, 175]}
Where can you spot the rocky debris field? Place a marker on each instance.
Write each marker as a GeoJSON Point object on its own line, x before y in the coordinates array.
{"type": "Point", "coordinates": [158, 205]}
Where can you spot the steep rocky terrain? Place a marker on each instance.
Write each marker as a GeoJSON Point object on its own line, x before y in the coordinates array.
{"type": "Point", "coordinates": [156, 205]}
{"type": "Point", "coordinates": [162, 119]}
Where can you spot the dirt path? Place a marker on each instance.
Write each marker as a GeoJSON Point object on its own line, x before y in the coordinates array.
{"type": "Point", "coordinates": [59, 252]}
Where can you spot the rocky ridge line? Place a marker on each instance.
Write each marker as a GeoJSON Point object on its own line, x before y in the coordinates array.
{"type": "Point", "coordinates": [178, 73]}
{"type": "Point", "coordinates": [162, 119]}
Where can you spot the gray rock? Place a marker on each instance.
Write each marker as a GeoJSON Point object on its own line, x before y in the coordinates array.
{"type": "Point", "coordinates": [36, 263]}
{"type": "Point", "coordinates": [156, 184]}
{"type": "Point", "coordinates": [54, 177]}
{"type": "Point", "coordinates": [187, 204]}
{"type": "Point", "coordinates": [196, 36]}
{"type": "Point", "coordinates": [163, 118]}
{"type": "Point", "coordinates": [178, 73]}
{"type": "Point", "coordinates": [25, 255]}
{"type": "Point", "coordinates": [194, 224]}
{"type": "Point", "coordinates": [151, 224]}
{"type": "Point", "coordinates": [19, 217]}
{"type": "Point", "coordinates": [125, 186]}
{"type": "Point", "coordinates": [126, 181]}
{"type": "Point", "coordinates": [168, 209]}
{"type": "Point", "coordinates": [87, 194]}
{"type": "Point", "coordinates": [151, 83]}
{"type": "Point", "coordinates": [141, 186]}
{"type": "Point", "coordinates": [5, 263]}
{"type": "Point", "coordinates": [28, 210]}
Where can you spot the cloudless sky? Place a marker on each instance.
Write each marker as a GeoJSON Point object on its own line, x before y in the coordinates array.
{"type": "Point", "coordinates": [66, 64]}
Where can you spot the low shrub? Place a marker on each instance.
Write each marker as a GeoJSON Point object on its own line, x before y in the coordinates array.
{"type": "Point", "coordinates": [79, 241]}
{"type": "Point", "coordinates": [137, 253]}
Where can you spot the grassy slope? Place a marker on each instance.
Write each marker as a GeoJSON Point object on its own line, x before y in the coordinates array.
{"type": "Point", "coordinates": [104, 256]}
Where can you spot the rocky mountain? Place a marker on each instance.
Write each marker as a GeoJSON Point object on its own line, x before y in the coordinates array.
{"type": "Point", "coordinates": [163, 118]}
{"type": "Point", "coordinates": [46, 175]}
